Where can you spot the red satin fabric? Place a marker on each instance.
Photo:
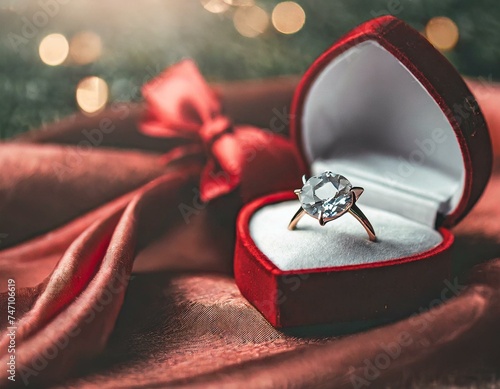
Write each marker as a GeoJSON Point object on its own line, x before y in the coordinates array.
{"type": "Point", "coordinates": [87, 323]}
{"type": "Point", "coordinates": [66, 276]}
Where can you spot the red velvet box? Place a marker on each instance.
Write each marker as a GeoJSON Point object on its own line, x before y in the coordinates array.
{"type": "Point", "coordinates": [388, 111]}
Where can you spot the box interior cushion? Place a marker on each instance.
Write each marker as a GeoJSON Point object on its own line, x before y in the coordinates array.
{"type": "Point", "coordinates": [368, 118]}
{"type": "Point", "coordinates": [342, 242]}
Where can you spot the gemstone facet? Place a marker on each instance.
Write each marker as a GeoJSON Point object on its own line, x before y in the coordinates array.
{"type": "Point", "coordinates": [328, 194]}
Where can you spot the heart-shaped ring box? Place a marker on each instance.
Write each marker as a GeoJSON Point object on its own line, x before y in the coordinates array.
{"type": "Point", "coordinates": [385, 109]}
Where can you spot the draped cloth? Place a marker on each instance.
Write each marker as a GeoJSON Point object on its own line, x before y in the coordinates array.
{"type": "Point", "coordinates": [118, 232]}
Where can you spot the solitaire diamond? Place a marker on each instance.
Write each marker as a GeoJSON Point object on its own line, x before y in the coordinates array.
{"type": "Point", "coordinates": [327, 197]}
{"type": "Point", "coordinates": [328, 194]}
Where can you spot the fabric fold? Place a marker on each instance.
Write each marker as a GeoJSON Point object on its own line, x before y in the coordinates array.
{"type": "Point", "coordinates": [66, 273]}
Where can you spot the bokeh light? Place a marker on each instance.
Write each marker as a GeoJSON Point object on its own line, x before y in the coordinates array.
{"type": "Point", "coordinates": [251, 21]}
{"type": "Point", "coordinates": [240, 3]}
{"type": "Point", "coordinates": [53, 49]}
{"type": "Point", "coordinates": [92, 94]}
{"type": "Point", "coordinates": [288, 17]}
{"type": "Point", "coordinates": [442, 32]}
{"type": "Point", "coordinates": [85, 47]}
{"type": "Point", "coordinates": [215, 6]}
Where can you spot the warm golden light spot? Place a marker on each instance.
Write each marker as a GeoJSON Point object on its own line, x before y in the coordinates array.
{"type": "Point", "coordinates": [92, 94]}
{"type": "Point", "coordinates": [250, 21]}
{"type": "Point", "coordinates": [288, 17]}
{"type": "Point", "coordinates": [53, 49]}
{"type": "Point", "coordinates": [442, 32]}
{"type": "Point", "coordinates": [215, 6]}
{"type": "Point", "coordinates": [85, 47]}
{"type": "Point", "coordinates": [240, 3]}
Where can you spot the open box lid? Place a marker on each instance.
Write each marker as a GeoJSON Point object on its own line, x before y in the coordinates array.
{"type": "Point", "coordinates": [384, 108]}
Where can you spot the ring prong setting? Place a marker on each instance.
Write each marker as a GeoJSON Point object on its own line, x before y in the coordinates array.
{"type": "Point", "coordinates": [321, 219]}
{"type": "Point", "coordinates": [357, 192]}
{"type": "Point", "coordinates": [304, 179]}
{"type": "Point", "coordinates": [297, 192]}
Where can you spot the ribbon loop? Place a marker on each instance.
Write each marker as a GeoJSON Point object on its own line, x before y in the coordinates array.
{"type": "Point", "coordinates": [180, 105]}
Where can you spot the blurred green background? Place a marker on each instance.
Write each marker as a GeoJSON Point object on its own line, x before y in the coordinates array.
{"type": "Point", "coordinates": [127, 43]}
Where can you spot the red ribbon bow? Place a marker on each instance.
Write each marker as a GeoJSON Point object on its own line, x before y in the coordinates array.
{"type": "Point", "coordinates": [181, 106]}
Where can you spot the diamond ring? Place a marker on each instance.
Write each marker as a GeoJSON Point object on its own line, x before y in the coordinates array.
{"type": "Point", "coordinates": [328, 196]}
